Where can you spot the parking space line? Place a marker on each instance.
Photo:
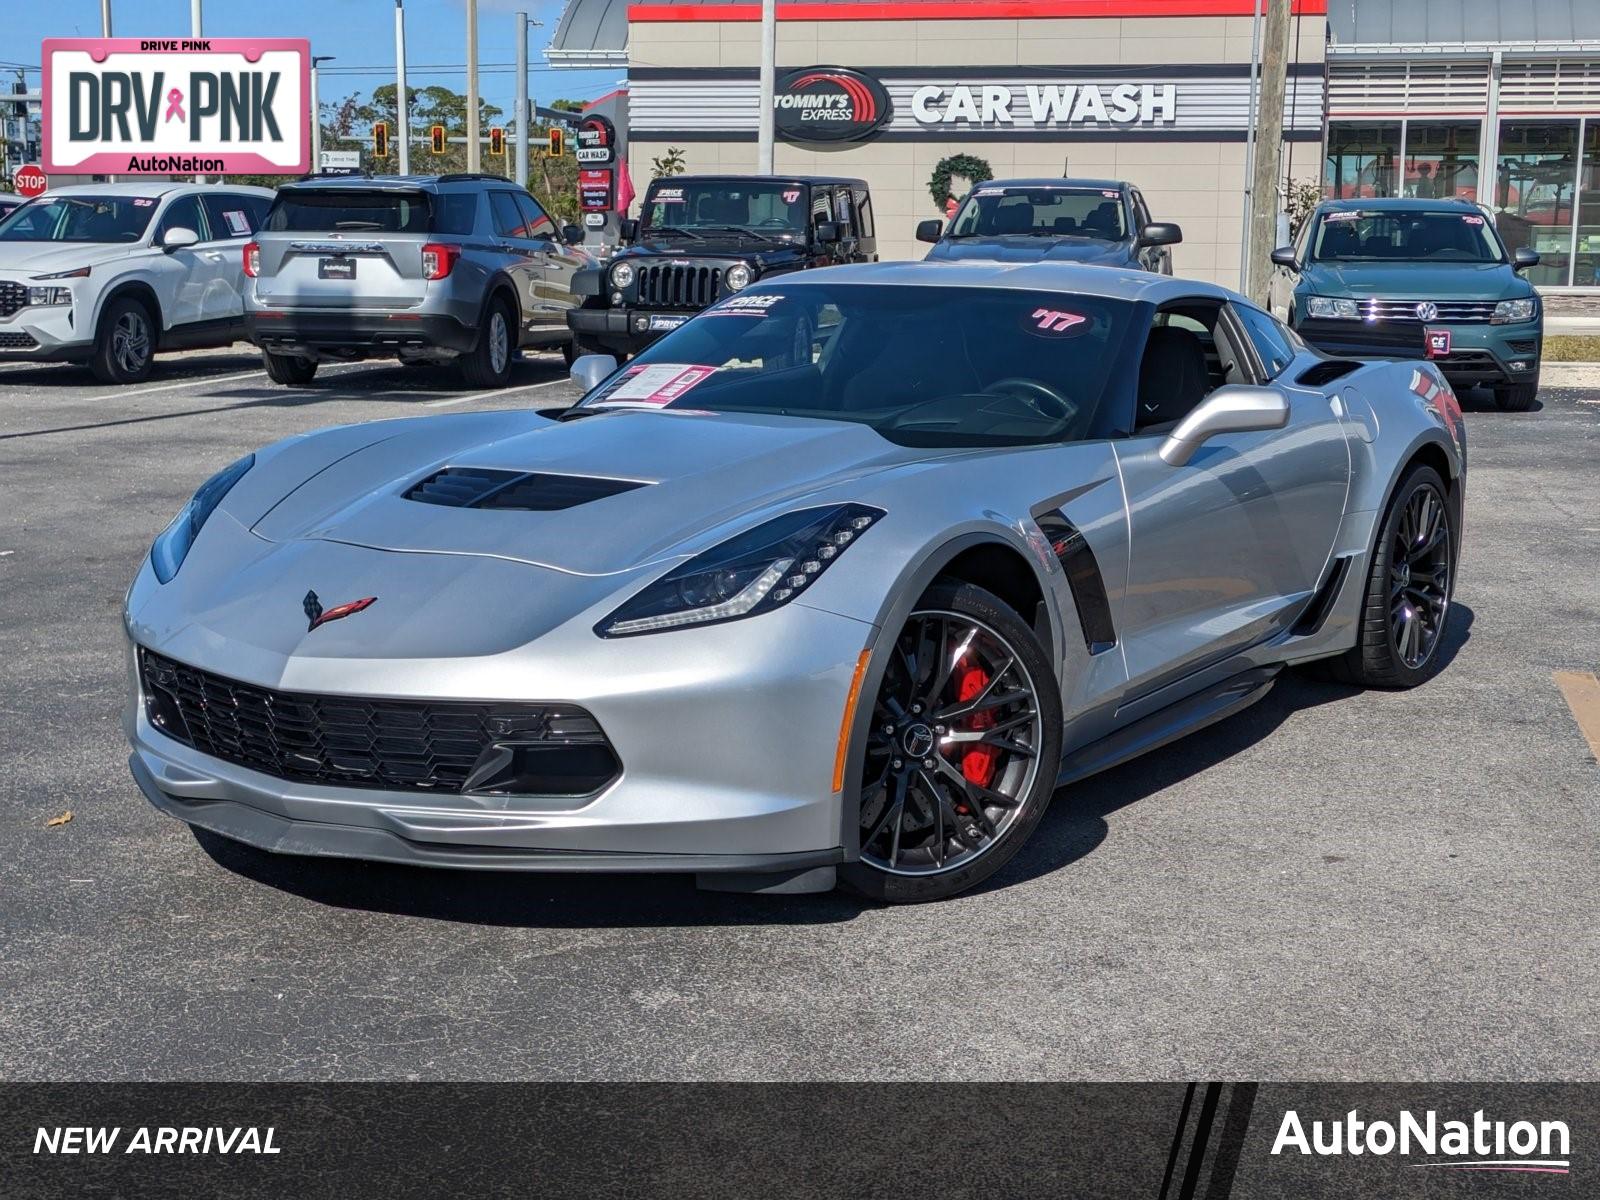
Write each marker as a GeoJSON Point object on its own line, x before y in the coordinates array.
{"type": "Point", "coordinates": [527, 387]}
{"type": "Point", "coordinates": [1582, 692]}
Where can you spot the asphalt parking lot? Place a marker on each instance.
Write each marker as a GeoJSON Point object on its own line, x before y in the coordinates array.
{"type": "Point", "coordinates": [1332, 885]}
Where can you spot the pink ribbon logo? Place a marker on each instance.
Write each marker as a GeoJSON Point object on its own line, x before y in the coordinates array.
{"type": "Point", "coordinates": [175, 105]}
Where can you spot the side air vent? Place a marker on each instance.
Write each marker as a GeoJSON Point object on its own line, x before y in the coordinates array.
{"type": "Point", "coordinates": [524, 491]}
{"type": "Point", "coordinates": [1326, 372]}
{"type": "Point", "coordinates": [1083, 577]}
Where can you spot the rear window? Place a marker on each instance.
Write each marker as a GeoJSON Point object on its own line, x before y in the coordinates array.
{"type": "Point", "coordinates": [301, 210]}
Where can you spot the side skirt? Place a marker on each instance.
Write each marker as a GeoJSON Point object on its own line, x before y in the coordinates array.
{"type": "Point", "coordinates": [1168, 724]}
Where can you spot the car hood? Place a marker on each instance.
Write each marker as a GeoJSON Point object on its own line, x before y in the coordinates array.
{"type": "Point", "coordinates": [700, 472]}
{"type": "Point", "coordinates": [1417, 281]}
{"type": "Point", "coordinates": [40, 258]}
{"type": "Point", "coordinates": [715, 250]}
{"type": "Point", "coordinates": [1025, 249]}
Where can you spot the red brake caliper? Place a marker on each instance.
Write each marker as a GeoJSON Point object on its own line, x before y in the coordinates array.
{"type": "Point", "coordinates": [979, 761]}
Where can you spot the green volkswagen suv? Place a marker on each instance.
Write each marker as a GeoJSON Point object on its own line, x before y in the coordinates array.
{"type": "Point", "coordinates": [1415, 278]}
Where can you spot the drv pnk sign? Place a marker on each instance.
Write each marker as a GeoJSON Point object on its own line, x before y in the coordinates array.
{"type": "Point", "coordinates": [177, 106]}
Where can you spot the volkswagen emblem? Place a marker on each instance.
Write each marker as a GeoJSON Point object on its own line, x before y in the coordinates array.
{"type": "Point", "coordinates": [1427, 310]}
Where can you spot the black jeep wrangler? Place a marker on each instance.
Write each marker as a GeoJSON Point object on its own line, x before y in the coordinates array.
{"type": "Point", "coordinates": [700, 238]}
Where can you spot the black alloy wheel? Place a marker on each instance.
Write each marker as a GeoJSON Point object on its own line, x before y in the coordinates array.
{"type": "Point", "coordinates": [1419, 576]}
{"type": "Point", "coordinates": [962, 752]}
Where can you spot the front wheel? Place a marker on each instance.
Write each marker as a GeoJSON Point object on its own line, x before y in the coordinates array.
{"type": "Point", "coordinates": [125, 343]}
{"type": "Point", "coordinates": [963, 751]}
{"type": "Point", "coordinates": [1516, 397]}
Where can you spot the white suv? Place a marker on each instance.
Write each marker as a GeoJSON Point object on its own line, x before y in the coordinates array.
{"type": "Point", "coordinates": [109, 273]}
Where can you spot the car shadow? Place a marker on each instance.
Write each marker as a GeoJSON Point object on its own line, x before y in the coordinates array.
{"type": "Point", "coordinates": [1074, 826]}
{"type": "Point", "coordinates": [1481, 400]}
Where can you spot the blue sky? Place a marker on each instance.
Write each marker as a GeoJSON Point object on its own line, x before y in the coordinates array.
{"type": "Point", "coordinates": [359, 33]}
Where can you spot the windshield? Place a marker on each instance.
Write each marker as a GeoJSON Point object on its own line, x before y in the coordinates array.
{"type": "Point", "coordinates": [79, 219]}
{"type": "Point", "coordinates": [937, 366]}
{"type": "Point", "coordinates": [1406, 236]}
{"type": "Point", "coordinates": [721, 205]}
{"type": "Point", "coordinates": [1042, 212]}
{"type": "Point", "coordinates": [301, 210]}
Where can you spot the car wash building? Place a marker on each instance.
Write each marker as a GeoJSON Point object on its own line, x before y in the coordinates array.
{"type": "Point", "coordinates": [1498, 100]}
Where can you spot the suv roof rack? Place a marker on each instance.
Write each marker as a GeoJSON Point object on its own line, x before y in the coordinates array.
{"type": "Point", "coordinates": [471, 176]}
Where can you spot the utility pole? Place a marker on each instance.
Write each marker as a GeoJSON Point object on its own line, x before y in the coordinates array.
{"type": "Point", "coordinates": [1250, 140]}
{"type": "Point", "coordinates": [521, 112]}
{"type": "Point", "coordinates": [1269, 151]}
{"type": "Point", "coordinates": [316, 112]}
{"type": "Point", "coordinates": [402, 99]}
{"type": "Point", "coordinates": [769, 70]}
{"type": "Point", "coordinates": [474, 151]}
{"type": "Point", "coordinates": [105, 18]}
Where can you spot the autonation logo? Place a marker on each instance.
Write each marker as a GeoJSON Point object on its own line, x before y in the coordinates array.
{"type": "Point", "coordinates": [1478, 1145]}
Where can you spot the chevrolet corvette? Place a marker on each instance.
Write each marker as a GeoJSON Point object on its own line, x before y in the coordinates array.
{"type": "Point", "coordinates": [841, 581]}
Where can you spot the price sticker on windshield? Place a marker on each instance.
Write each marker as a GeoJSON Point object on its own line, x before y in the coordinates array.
{"type": "Point", "coordinates": [745, 306]}
{"type": "Point", "coordinates": [655, 386]}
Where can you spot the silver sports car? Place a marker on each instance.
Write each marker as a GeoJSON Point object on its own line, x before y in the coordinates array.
{"type": "Point", "coordinates": [841, 580]}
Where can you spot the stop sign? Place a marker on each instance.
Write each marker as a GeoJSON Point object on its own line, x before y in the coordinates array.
{"type": "Point", "coordinates": [29, 181]}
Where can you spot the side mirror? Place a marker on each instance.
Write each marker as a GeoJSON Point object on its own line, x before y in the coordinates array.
{"type": "Point", "coordinates": [178, 237]}
{"type": "Point", "coordinates": [827, 232]}
{"type": "Point", "coordinates": [572, 234]}
{"type": "Point", "coordinates": [1283, 256]}
{"type": "Point", "coordinates": [1522, 258]}
{"type": "Point", "coordinates": [1160, 233]}
{"type": "Point", "coordinates": [1236, 408]}
{"type": "Point", "coordinates": [628, 229]}
{"type": "Point", "coordinates": [930, 230]}
{"type": "Point", "coordinates": [591, 370]}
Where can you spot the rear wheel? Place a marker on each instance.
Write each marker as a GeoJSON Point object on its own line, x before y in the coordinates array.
{"type": "Point", "coordinates": [289, 369]}
{"type": "Point", "coordinates": [1406, 606]}
{"type": "Point", "coordinates": [125, 343]}
{"type": "Point", "coordinates": [1516, 397]}
{"type": "Point", "coordinates": [488, 364]}
{"type": "Point", "coordinates": [963, 753]}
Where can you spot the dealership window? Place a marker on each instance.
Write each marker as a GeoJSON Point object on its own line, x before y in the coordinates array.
{"type": "Point", "coordinates": [1586, 259]}
{"type": "Point", "coordinates": [1362, 159]}
{"type": "Point", "coordinates": [1535, 179]}
{"type": "Point", "coordinates": [1441, 159]}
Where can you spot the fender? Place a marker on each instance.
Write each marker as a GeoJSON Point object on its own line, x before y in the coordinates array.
{"type": "Point", "coordinates": [588, 281]}
{"type": "Point", "coordinates": [499, 283]}
{"type": "Point", "coordinates": [137, 287]}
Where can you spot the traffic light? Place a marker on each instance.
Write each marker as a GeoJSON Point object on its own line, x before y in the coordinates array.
{"type": "Point", "coordinates": [497, 140]}
{"type": "Point", "coordinates": [436, 138]}
{"type": "Point", "coordinates": [380, 139]}
{"type": "Point", "coordinates": [558, 141]}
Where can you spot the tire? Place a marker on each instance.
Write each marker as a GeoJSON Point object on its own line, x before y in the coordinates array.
{"type": "Point", "coordinates": [1009, 750]}
{"type": "Point", "coordinates": [289, 369]}
{"type": "Point", "coordinates": [569, 351]}
{"type": "Point", "coordinates": [125, 342]}
{"type": "Point", "coordinates": [488, 364]}
{"type": "Point", "coordinates": [1516, 397]}
{"type": "Point", "coordinates": [1383, 657]}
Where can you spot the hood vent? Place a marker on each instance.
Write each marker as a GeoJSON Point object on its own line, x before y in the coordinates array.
{"type": "Point", "coordinates": [525, 491]}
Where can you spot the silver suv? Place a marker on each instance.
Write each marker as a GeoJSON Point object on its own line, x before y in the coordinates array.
{"type": "Point", "coordinates": [422, 268]}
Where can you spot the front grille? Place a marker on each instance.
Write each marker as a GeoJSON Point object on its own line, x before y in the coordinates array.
{"type": "Point", "coordinates": [17, 341]}
{"type": "Point", "coordinates": [1451, 312]}
{"type": "Point", "coordinates": [398, 745]}
{"type": "Point", "coordinates": [525, 491]}
{"type": "Point", "coordinates": [13, 296]}
{"type": "Point", "coordinates": [679, 285]}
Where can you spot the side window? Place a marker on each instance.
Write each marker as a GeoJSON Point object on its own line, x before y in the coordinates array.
{"type": "Point", "coordinates": [1187, 355]}
{"type": "Point", "coordinates": [864, 213]}
{"type": "Point", "coordinates": [1302, 240]}
{"type": "Point", "coordinates": [1141, 214]}
{"type": "Point", "coordinates": [455, 213]}
{"type": "Point", "coordinates": [508, 221]}
{"type": "Point", "coordinates": [536, 220]}
{"type": "Point", "coordinates": [183, 213]}
{"type": "Point", "coordinates": [1271, 341]}
{"type": "Point", "coordinates": [230, 215]}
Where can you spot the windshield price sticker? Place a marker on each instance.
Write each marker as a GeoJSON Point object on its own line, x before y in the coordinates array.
{"type": "Point", "coordinates": [656, 386]}
{"type": "Point", "coordinates": [1332, 217]}
{"type": "Point", "coordinates": [238, 224]}
{"type": "Point", "coordinates": [745, 306]}
{"type": "Point", "coordinates": [1055, 322]}
{"type": "Point", "coordinates": [670, 194]}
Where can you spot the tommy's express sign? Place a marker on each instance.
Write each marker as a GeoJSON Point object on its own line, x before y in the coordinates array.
{"type": "Point", "coordinates": [216, 106]}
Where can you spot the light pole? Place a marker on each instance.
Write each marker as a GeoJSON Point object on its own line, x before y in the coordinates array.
{"type": "Point", "coordinates": [522, 107]}
{"type": "Point", "coordinates": [105, 18]}
{"type": "Point", "coordinates": [195, 29]}
{"type": "Point", "coordinates": [474, 151]}
{"type": "Point", "coordinates": [769, 69]}
{"type": "Point", "coordinates": [402, 99]}
{"type": "Point", "coordinates": [316, 112]}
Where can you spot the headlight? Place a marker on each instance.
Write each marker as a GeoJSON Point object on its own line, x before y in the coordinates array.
{"type": "Point", "coordinates": [738, 277]}
{"type": "Point", "coordinates": [1327, 306]}
{"type": "Point", "coordinates": [622, 275]}
{"type": "Point", "coordinates": [79, 273]}
{"type": "Point", "coordinates": [755, 572]}
{"type": "Point", "coordinates": [172, 544]}
{"type": "Point", "coordinates": [1514, 310]}
{"type": "Point", "coordinates": [43, 297]}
